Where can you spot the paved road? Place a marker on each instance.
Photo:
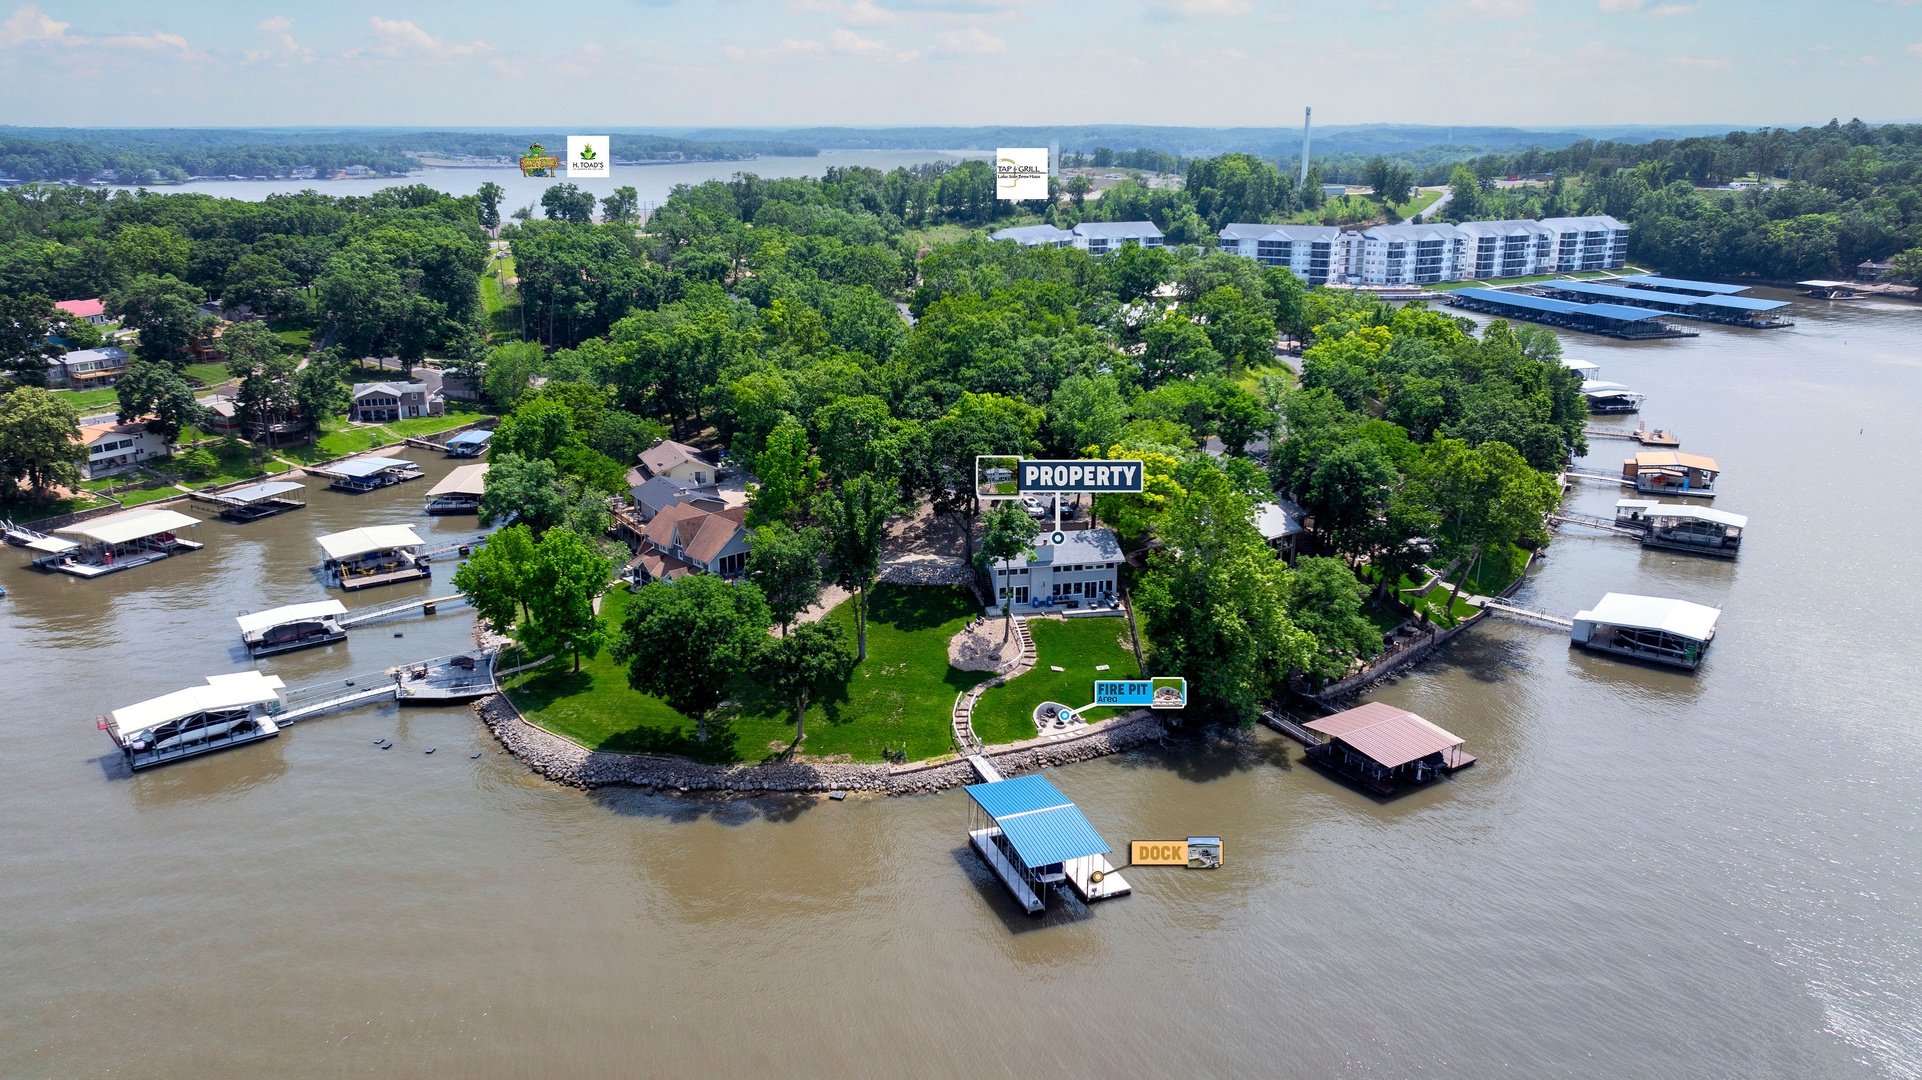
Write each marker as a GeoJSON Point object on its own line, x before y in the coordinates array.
{"type": "Point", "coordinates": [1429, 211]}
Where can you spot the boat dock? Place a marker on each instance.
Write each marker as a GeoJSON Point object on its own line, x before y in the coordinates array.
{"type": "Point", "coordinates": [1645, 435]}
{"type": "Point", "coordinates": [255, 501]}
{"type": "Point", "coordinates": [1033, 837]}
{"type": "Point", "coordinates": [362, 474]}
{"type": "Point", "coordinates": [460, 491]}
{"type": "Point", "coordinates": [106, 545]}
{"type": "Point", "coordinates": [374, 555]}
{"type": "Point", "coordinates": [247, 706]}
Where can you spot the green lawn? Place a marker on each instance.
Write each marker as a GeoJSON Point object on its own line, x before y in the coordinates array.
{"type": "Point", "coordinates": [898, 699]}
{"type": "Point", "coordinates": [87, 401]}
{"type": "Point", "coordinates": [1496, 571]}
{"type": "Point", "coordinates": [208, 374]}
{"type": "Point", "coordinates": [338, 438]}
{"type": "Point", "coordinates": [1006, 713]}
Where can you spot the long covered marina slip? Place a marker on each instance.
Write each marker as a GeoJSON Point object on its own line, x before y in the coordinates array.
{"type": "Point", "coordinates": [228, 711]}
{"type": "Point", "coordinates": [295, 626]}
{"type": "Point", "coordinates": [363, 474]}
{"type": "Point", "coordinates": [1653, 628]}
{"type": "Point", "coordinates": [257, 501]}
{"type": "Point", "coordinates": [1385, 749]}
{"type": "Point", "coordinates": [1608, 320]}
{"type": "Point", "coordinates": [1029, 834]}
{"type": "Point", "coordinates": [120, 541]}
{"type": "Point", "coordinates": [460, 491]}
{"type": "Point", "coordinates": [1720, 308]}
{"type": "Point", "coordinates": [374, 555]}
{"type": "Point", "coordinates": [1604, 398]}
{"type": "Point", "coordinates": [1700, 530]}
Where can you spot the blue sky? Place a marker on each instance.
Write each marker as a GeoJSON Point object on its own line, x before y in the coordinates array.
{"type": "Point", "coordinates": [633, 63]}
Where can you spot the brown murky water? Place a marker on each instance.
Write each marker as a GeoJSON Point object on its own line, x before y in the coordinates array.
{"type": "Point", "coordinates": [1647, 874]}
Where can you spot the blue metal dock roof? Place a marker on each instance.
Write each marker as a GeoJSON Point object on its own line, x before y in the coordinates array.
{"type": "Point", "coordinates": [470, 437]}
{"type": "Point", "coordinates": [1618, 312]}
{"type": "Point", "coordinates": [1705, 287]}
{"type": "Point", "coordinates": [1741, 303]}
{"type": "Point", "coordinates": [1644, 296]}
{"type": "Point", "coordinates": [1038, 820]}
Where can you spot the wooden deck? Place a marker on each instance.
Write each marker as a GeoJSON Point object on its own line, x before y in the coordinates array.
{"type": "Point", "coordinates": [391, 577]}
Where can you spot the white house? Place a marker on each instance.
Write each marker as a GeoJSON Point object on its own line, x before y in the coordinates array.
{"type": "Point", "coordinates": [1035, 236]}
{"type": "Point", "coordinates": [1499, 249]}
{"type": "Point", "coordinates": [1587, 243]}
{"type": "Point", "coordinates": [1083, 567]}
{"type": "Point", "coordinates": [116, 448]}
{"type": "Point", "coordinates": [376, 403]}
{"type": "Point", "coordinates": [678, 461]}
{"type": "Point", "coordinates": [1102, 237]}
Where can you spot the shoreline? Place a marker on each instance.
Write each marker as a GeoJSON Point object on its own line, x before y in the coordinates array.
{"type": "Point", "coordinates": [566, 762]}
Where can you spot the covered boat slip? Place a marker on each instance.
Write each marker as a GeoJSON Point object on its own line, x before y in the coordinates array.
{"type": "Point", "coordinates": [1608, 320]}
{"type": "Point", "coordinates": [1386, 749]}
{"type": "Point", "coordinates": [1671, 472]}
{"type": "Point", "coordinates": [120, 541]}
{"type": "Point", "coordinates": [1610, 397]}
{"type": "Point", "coordinates": [471, 443]}
{"type": "Point", "coordinates": [1654, 628]}
{"type": "Point", "coordinates": [460, 492]}
{"type": "Point", "coordinates": [228, 711]}
{"type": "Point", "coordinates": [1030, 835]}
{"type": "Point", "coordinates": [1720, 308]}
{"type": "Point", "coordinates": [257, 501]}
{"type": "Point", "coordinates": [296, 626]}
{"type": "Point", "coordinates": [1678, 527]}
{"type": "Point", "coordinates": [374, 555]}
{"type": "Point", "coordinates": [363, 474]}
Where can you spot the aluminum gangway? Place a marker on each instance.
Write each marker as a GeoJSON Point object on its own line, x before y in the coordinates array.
{"type": "Point", "coordinates": [426, 607]}
{"type": "Point", "coordinates": [1502, 607]}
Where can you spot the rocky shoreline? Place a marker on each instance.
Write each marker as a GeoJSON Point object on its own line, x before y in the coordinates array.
{"type": "Point", "coordinates": [569, 763]}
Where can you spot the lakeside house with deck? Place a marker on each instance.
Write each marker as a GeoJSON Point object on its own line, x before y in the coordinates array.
{"type": "Point", "coordinates": [117, 448]}
{"type": "Point", "coordinates": [380, 402]}
{"type": "Point", "coordinates": [1081, 571]}
{"type": "Point", "coordinates": [84, 369]}
{"type": "Point", "coordinates": [679, 461]}
{"type": "Point", "coordinates": [688, 538]}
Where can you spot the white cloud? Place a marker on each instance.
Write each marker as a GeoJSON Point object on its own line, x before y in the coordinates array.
{"type": "Point", "coordinates": [1487, 9]}
{"type": "Point", "coordinates": [1916, 49]}
{"type": "Point", "coordinates": [803, 45]}
{"type": "Point", "coordinates": [1713, 63]}
{"type": "Point", "coordinates": [401, 39]}
{"type": "Point", "coordinates": [1200, 9]}
{"type": "Point", "coordinates": [866, 13]}
{"type": "Point", "coordinates": [279, 31]}
{"type": "Point", "coordinates": [29, 23]}
{"type": "Point", "coordinates": [847, 41]}
{"type": "Point", "coordinates": [973, 41]}
{"type": "Point", "coordinates": [1644, 9]}
{"type": "Point", "coordinates": [734, 52]}
{"type": "Point", "coordinates": [151, 42]}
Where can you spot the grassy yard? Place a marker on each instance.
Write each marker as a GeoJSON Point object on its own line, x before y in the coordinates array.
{"type": "Point", "coordinates": [207, 374]}
{"type": "Point", "coordinates": [338, 438]}
{"type": "Point", "coordinates": [898, 699]}
{"type": "Point", "coordinates": [1006, 713]}
{"type": "Point", "coordinates": [89, 401]}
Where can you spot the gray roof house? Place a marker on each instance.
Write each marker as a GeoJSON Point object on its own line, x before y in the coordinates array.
{"type": "Point", "coordinates": [1102, 237]}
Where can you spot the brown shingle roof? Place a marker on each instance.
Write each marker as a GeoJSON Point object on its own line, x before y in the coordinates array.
{"type": "Point", "coordinates": [1387, 735]}
{"type": "Point", "coordinates": [666, 454]}
{"type": "Point", "coordinates": [700, 533]}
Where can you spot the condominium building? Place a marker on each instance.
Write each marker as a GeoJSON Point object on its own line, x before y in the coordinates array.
{"type": "Point", "coordinates": [1308, 250]}
{"type": "Point", "coordinates": [1587, 243]}
{"type": "Point", "coordinates": [1424, 254]}
{"type": "Point", "coordinates": [1102, 237]}
{"type": "Point", "coordinates": [1035, 236]}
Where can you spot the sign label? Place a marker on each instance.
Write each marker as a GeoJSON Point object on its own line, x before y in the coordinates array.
{"type": "Point", "coordinates": [538, 162]}
{"type": "Point", "coordinates": [1021, 174]}
{"type": "Point", "coordinates": [589, 156]}
{"type": "Point", "coordinates": [1167, 692]}
{"type": "Point", "coordinates": [1079, 476]}
{"type": "Point", "coordinates": [1158, 853]}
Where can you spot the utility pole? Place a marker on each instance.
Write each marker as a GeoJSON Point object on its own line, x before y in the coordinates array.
{"type": "Point", "coordinates": [1307, 115]}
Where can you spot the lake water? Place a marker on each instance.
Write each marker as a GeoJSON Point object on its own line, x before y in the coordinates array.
{"type": "Point", "coordinates": [1648, 873]}
{"type": "Point", "coordinates": [653, 183]}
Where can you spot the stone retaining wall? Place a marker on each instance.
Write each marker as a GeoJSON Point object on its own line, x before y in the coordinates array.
{"type": "Point", "coordinates": [566, 762]}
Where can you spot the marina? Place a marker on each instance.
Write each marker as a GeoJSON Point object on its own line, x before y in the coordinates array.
{"type": "Point", "coordinates": [295, 626]}
{"type": "Point", "coordinates": [374, 555]}
{"type": "Point", "coordinates": [256, 501]}
{"type": "Point", "coordinates": [1604, 319]}
{"type": "Point", "coordinates": [1721, 307]}
{"type": "Point", "coordinates": [106, 545]}
{"type": "Point", "coordinates": [460, 492]}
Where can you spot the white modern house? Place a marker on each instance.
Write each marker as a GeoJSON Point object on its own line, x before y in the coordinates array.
{"type": "Point", "coordinates": [1035, 236]}
{"type": "Point", "coordinates": [1082, 568]}
{"type": "Point", "coordinates": [1587, 243]}
{"type": "Point", "coordinates": [1308, 250]}
{"type": "Point", "coordinates": [1102, 237]}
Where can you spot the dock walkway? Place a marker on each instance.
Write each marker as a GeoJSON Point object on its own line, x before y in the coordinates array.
{"type": "Point", "coordinates": [1590, 521]}
{"type": "Point", "coordinates": [426, 607]}
{"type": "Point", "coordinates": [1501, 607]}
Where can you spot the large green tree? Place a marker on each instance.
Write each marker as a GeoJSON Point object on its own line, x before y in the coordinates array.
{"type": "Point", "coordinates": [39, 441]}
{"type": "Point", "coordinates": [565, 577]}
{"type": "Point", "coordinates": [786, 563]}
{"type": "Point", "coordinates": [526, 489]}
{"type": "Point", "coordinates": [26, 323]}
{"type": "Point", "coordinates": [1007, 534]}
{"type": "Point", "coordinates": [152, 390]}
{"type": "Point", "coordinates": [166, 313]}
{"type": "Point", "coordinates": [788, 473]}
{"type": "Point", "coordinates": [495, 578]}
{"type": "Point", "coordinates": [684, 640]}
{"type": "Point", "coordinates": [799, 663]}
{"type": "Point", "coordinates": [854, 516]}
{"type": "Point", "coordinates": [1216, 601]}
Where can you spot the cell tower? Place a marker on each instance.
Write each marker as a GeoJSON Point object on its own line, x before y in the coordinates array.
{"type": "Point", "coordinates": [1307, 115]}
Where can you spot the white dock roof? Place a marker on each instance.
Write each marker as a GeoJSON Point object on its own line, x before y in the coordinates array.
{"type": "Point", "coordinates": [1696, 513]}
{"type": "Point", "coordinates": [238, 690]}
{"type": "Point", "coordinates": [366, 466]}
{"type": "Point", "coordinates": [1678, 617]}
{"type": "Point", "coordinates": [346, 545]}
{"type": "Point", "coordinates": [465, 480]}
{"type": "Point", "coordinates": [261, 620]}
{"type": "Point", "coordinates": [132, 525]}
